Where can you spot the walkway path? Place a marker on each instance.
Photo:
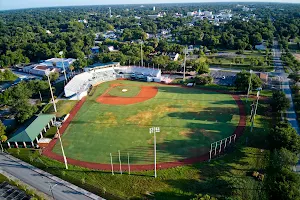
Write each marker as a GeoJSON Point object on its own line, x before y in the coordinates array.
{"type": "Point", "coordinates": [36, 178]}
{"type": "Point", "coordinates": [285, 86]}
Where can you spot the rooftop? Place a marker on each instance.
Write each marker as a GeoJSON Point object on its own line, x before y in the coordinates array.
{"type": "Point", "coordinates": [31, 129]}
{"type": "Point", "coordinates": [102, 64]}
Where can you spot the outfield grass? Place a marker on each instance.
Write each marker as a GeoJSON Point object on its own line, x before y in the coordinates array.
{"type": "Point", "coordinates": [227, 176]}
{"type": "Point", "coordinates": [132, 91]}
{"type": "Point", "coordinates": [63, 107]}
{"type": "Point", "coordinates": [189, 119]}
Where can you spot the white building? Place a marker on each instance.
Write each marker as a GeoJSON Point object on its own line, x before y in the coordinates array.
{"type": "Point", "coordinates": [174, 56]}
{"type": "Point", "coordinates": [190, 14]}
{"type": "Point", "coordinates": [245, 9]}
{"type": "Point", "coordinates": [59, 63]}
{"type": "Point", "coordinates": [101, 72]}
{"type": "Point", "coordinates": [39, 69]}
{"type": "Point", "coordinates": [83, 21]}
{"type": "Point", "coordinates": [208, 14]}
{"type": "Point", "coordinates": [97, 66]}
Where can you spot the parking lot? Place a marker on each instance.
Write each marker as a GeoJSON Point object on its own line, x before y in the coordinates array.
{"type": "Point", "coordinates": [223, 77]}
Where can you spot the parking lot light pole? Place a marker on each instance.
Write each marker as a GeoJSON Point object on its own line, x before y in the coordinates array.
{"type": "Point", "coordinates": [154, 130]}
{"type": "Point", "coordinates": [249, 85]}
{"type": "Point", "coordinates": [47, 73]}
{"type": "Point", "coordinates": [58, 124]}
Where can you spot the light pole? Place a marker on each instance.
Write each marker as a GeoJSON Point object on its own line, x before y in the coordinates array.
{"type": "Point", "coordinates": [61, 53]}
{"type": "Point", "coordinates": [257, 95]}
{"type": "Point", "coordinates": [142, 52]}
{"type": "Point", "coordinates": [249, 85]}
{"type": "Point", "coordinates": [184, 64]}
{"type": "Point", "coordinates": [47, 73]}
{"type": "Point", "coordinates": [58, 124]}
{"type": "Point", "coordinates": [154, 130]}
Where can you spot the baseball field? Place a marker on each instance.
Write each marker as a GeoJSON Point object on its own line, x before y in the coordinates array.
{"type": "Point", "coordinates": [119, 114]}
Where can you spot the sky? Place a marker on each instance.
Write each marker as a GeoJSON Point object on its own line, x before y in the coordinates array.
{"type": "Point", "coordinates": [17, 4]}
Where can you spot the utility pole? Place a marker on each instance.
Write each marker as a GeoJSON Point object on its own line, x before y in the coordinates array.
{"type": "Point", "coordinates": [61, 53]}
{"type": "Point", "coordinates": [58, 124]}
{"type": "Point", "coordinates": [249, 85]}
{"type": "Point", "coordinates": [142, 52]}
{"type": "Point", "coordinates": [47, 73]}
{"type": "Point", "coordinates": [154, 130]}
{"type": "Point", "coordinates": [253, 118]}
{"type": "Point", "coordinates": [184, 64]}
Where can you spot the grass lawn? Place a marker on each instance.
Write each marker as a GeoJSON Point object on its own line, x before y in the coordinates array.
{"type": "Point", "coordinates": [50, 132]}
{"type": "Point", "coordinates": [189, 120]}
{"type": "Point", "coordinates": [63, 107]}
{"type": "Point", "coordinates": [227, 176]}
{"type": "Point", "coordinates": [226, 60]}
{"type": "Point", "coordinates": [3, 178]}
{"type": "Point", "coordinates": [131, 91]}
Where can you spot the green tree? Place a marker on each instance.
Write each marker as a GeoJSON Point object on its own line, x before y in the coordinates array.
{"type": "Point", "coordinates": [284, 184]}
{"type": "Point", "coordinates": [2, 134]}
{"type": "Point", "coordinates": [203, 197]}
{"type": "Point", "coordinates": [279, 101]}
{"type": "Point", "coordinates": [201, 65]}
{"type": "Point", "coordinates": [285, 136]}
{"type": "Point", "coordinates": [243, 78]}
{"type": "Point", "coordinates": [24, 110]}
{"type": "Point", "coordinates": [283, 158]}
{"type": "Point", "coordinates": [53, 77]}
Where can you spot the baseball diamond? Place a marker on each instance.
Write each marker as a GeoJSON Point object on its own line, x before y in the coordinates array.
{"type": "Point", "coordinates": [189, 120]}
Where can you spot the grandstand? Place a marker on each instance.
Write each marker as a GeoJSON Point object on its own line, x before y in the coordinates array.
{"type": "Point", "coordinates": [98, 73]}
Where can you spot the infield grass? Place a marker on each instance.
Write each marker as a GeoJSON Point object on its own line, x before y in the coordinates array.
{"type": "Point", "coordinates": [131, 91]}
{"type": "Point", "coordinates": [189, 120]}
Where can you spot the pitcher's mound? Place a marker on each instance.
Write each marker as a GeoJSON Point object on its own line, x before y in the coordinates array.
{"type": "Point", "coordinates": [146, 93]}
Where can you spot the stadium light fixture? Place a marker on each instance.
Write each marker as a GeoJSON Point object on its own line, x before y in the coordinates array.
{"type": "Point", "coordinates": [154, 130]}
{"type": "Point", "coordinates": [58, 124]}
{"type": "Point", "coordinates": [47, 73]}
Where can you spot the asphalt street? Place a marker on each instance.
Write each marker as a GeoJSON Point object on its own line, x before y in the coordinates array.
{"type": "Point", "coordinates": [42, 181]}
{"type": "Point", "coordinates": [290, 113]}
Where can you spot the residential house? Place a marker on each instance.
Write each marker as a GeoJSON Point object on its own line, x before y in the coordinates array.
{"type": "Point", "coordinates": [174, 56]}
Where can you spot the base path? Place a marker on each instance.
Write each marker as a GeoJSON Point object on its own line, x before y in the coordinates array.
{"type": "Point", "coordinates": [146, 93]}
{"type": "Point", "coordinates": [134, 167]}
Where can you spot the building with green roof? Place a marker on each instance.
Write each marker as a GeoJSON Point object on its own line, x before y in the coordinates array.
{"type": "Point", "coordinates": [32, 131]}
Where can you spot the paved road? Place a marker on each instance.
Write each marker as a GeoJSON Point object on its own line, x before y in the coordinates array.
{"type": "Point", "coordinates": [42, 180]}
{"type": "Point", "coordinates": [290, 114]}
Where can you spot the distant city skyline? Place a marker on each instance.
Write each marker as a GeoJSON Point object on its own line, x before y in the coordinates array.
{"type": "Point", "coordinates": [19, 4]}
